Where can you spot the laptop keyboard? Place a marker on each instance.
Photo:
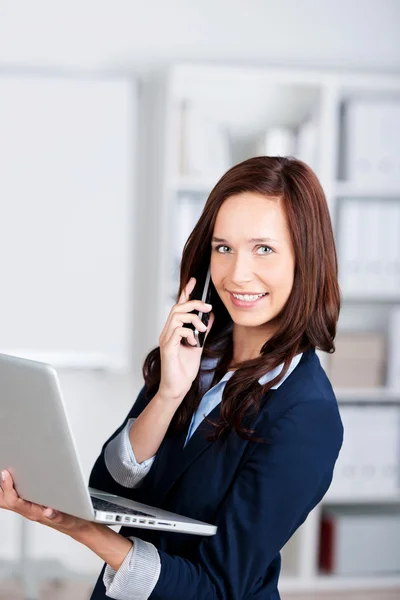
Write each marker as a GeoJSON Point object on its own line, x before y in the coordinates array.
{"type": "Point", "coordinates": [106, 506]}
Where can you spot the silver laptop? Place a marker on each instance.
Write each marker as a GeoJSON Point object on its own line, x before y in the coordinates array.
{"type": "Point", "coordinates": [38, 448]}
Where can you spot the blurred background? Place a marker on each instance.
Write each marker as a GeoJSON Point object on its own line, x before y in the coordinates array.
{"type": "Point", "coordinates": [116, 120]}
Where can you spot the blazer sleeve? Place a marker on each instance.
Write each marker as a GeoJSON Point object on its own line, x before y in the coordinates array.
{"type": "Point", "coordinates": [276, 488]}
{"type": "Point", "coordinates": [100, 476]}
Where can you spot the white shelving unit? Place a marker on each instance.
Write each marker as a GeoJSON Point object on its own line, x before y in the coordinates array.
{"type": "Point", "coordinates": [246, 102]}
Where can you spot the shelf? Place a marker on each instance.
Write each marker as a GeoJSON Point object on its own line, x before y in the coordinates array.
{"type": "Point", "coordinates": [347, 189]}
{"type": "Point", "coordinates": [367, 394]}
{"type": "Point", "coordinates": [374, 395]}
{"type": "Point", "coordinates": [334, 501]}
{"type": "Point", "coordinates": [366, 299]}
{"type": "Point", "coordinates": [246, 102]}
{"type": "Point", "coordinates": [336, 582]}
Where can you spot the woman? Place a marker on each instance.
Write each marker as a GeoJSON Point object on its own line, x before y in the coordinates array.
{"type": "Point", "coordinates": [245, 432]}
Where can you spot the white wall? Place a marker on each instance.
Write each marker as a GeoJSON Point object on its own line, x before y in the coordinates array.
{"type": "Point", "coordinates": [132, 34]}
{"type": "Point", "coordinates": [128, 35]}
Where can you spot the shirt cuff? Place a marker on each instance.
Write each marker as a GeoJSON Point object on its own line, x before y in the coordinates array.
{"type": "Point", "coordinates": [137, 576]}
{"type": "Point", "coordinates": [121, 461]}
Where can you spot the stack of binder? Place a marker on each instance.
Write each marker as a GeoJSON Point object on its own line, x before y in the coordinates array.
{"type": "Point", "coordinates": [372, 141]}
{"type": "Point", "coordinates": [393, 375]}
{"type": "Point", "coordinates": [359, 360]}
{"type": "Point", "coordinates": [368, 466]}
{"type": "Point", "coordinates": [358, 540]}
{"type": "Point", "coordinates": [369, 248]}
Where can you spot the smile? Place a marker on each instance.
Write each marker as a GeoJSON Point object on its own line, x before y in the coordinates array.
{"type": "Point", "coordinates": [246, 301]}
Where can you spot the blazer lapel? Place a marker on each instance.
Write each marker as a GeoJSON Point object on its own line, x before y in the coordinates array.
{"type": "Point", "coordinates": [174, 458]}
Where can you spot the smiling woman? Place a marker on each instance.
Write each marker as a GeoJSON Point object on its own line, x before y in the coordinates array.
{"type": "Point", "coordinates": [244, 432]}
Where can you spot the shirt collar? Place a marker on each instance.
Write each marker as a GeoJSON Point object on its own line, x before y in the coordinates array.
{"type": "Point", "coordinates": [264, 378]}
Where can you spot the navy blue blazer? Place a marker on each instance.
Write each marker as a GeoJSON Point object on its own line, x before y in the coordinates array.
{"type": "Point", "coordinates": [257, 494]}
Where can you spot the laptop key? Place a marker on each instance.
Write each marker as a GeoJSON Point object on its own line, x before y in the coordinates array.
{"type": "Point", "coordinates": [106, 506]}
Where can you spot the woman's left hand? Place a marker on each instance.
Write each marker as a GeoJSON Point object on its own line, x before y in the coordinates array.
{"type": "Point", "coordinates": [9, 500]}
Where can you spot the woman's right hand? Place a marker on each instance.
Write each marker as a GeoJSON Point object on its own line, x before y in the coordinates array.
{"type": "Point", "coordinates": [179, 363]}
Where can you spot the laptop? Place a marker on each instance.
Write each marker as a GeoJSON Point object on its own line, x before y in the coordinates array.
{"type": "Point", "coordinates": [38, 448]}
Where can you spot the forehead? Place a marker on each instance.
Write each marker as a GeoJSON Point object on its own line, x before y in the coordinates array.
{"type": "Point", "coordinates": [251, 215]}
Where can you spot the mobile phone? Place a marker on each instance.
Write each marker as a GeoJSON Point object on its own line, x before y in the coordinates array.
{"type": "Point", "coordinates": [201, 291]}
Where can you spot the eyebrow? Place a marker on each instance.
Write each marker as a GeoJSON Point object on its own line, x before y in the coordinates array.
{"type": "Point", "coordinates": [217, 239]}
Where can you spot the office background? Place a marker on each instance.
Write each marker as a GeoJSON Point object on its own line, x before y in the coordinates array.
{"type": "Point", "coordinates": [97, 197]}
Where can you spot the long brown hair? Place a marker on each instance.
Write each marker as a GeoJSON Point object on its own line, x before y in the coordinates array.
{"type": "Point", "coordinates": [310, 314]}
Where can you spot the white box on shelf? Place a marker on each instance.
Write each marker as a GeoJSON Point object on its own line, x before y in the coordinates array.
{"type": "Point", "coordinates": [372, 140]}
{"type": "Point", "coordinates": [277, 141]}
{"type": "Point", "coordinates": [359, 359]}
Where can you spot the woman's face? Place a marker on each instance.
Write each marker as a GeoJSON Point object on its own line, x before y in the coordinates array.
{"type": "Point", "coordinates": [252, 267]}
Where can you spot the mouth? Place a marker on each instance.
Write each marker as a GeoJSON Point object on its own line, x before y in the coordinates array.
{"type": "Point", "coordinates": [242, 303]}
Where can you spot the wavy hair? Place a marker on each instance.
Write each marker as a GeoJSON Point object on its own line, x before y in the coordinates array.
{"type": "Point", "coordinates": [310, 315]}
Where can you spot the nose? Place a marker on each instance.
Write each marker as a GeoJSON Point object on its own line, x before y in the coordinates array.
{"type": "Point", "coordinates": [242, 270]}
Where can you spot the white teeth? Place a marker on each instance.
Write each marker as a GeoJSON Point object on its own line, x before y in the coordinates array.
{"type": "Point", "coordinates": [247, 298]}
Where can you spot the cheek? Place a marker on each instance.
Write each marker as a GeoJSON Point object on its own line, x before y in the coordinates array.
{"type": "Point", "coordinates": [218, 272]}
{"type": "Point", "coordinates": [282, 277]}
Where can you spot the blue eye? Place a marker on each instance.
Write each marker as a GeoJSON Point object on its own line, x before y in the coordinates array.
{"type": "Point", "coordinates": [266, 247]}
{"type": "Point", "coordinates": [223, 246]}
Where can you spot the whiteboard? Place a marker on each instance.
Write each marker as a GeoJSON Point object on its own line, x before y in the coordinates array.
{"type": "Point", "coordinates": [67, 191]}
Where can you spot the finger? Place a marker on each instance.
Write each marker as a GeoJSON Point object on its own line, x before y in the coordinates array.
{"type": "Point", "coordinates": [179, 318]}
{"type": "Point", "coordinates": [10, 496]}
{"type": "Point", "coordinates": [10, 500]}
{"type": "Point", "coordinates": [61, 521]}
{"type": "Point", "coordinates": [183, 298]}
{"type": "Point", "coordinates": [53, 515]}
{"type": "Point", "coordinates": [194, 304]}
{"type": "Point", "coordinates": [182, 332]}
{"type": "Point", "coordinates": [187, 290]}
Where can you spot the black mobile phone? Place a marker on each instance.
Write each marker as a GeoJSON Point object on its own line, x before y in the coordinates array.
{"type": "Point", "coordinates": [201, 291]}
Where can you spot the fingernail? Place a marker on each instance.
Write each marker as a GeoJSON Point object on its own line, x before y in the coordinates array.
{"type": "Point", "coordinates": [49, 512]}
{"type": "Point", "coordinates": [208, 305]}
{"type": "Point", "coordinates": [3, 475]}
